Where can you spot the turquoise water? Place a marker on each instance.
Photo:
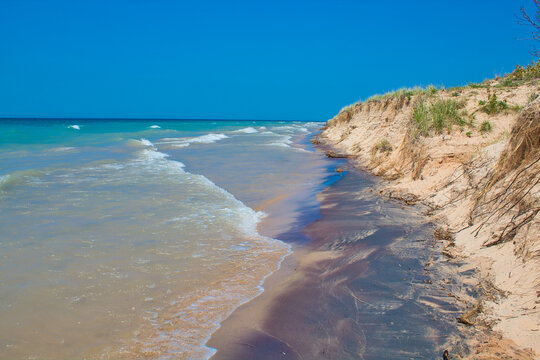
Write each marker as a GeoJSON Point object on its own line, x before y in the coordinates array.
{"type": "Point", "coordinates": [131, 239]}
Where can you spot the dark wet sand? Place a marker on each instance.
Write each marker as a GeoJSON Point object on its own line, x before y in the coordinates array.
{"type": "Point", "coordinates": [358, 290]}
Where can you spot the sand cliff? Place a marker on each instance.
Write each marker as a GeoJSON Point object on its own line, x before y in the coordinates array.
{"type": "Point", "coordinates": [472, 155]}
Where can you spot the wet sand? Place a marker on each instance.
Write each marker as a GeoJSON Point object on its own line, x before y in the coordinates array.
{"type": "Point", "coordinates": [358, 289]}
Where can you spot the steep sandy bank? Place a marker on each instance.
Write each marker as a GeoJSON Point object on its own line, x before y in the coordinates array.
{"type": "Point", "coordinates": [481, 178]}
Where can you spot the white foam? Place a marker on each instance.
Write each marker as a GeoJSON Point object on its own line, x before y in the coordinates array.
{"type": "Point", "coordinates": [285, 141]}
{"type": "Point", "coordinates": [173, 145]}
{"type": "Point", "coordinates": [76, 127]}
{"type": "Point", "coordinates": [155, 127]}
{"type": "Point", "coordinates": [152, 155]}
{"type": "Point", "coordinates": [183, 142]}
{"type": "Point", "coordinates": [208, 139]}
{"type": "Point", "coordinates": [146, 142]}
{"type": "Point", "coordinates": [283, 128]}
{"type": "Point", "coordinates": [295, 127]}
{"type": "Point", "coordinates": [314, 124]}
{"type": "Point", "coordinates": [4, 180]}
{"type": "Point", "coordinates": [65, 148]}
{"type": "Point", "coordinates": [248, 130]}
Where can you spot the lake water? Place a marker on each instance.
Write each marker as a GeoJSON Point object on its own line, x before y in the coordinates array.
{"type": "Point", "coordinates": [135, 239]}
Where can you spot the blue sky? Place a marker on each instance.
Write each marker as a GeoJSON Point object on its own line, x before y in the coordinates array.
{"type": "Point", "coordinates": [242, 59]}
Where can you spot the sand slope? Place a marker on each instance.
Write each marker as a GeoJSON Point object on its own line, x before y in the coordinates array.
{"type": "Point", "coordinates": [483, 188]}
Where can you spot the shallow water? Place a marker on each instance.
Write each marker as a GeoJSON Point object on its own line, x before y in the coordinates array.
{"type": "Point", "coordinates": [128, 239]}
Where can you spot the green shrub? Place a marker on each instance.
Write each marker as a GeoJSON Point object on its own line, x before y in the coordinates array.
{"type": "Point", "coordinates": [493, 106]}
{"type": "Point", "coordinates": [468, 133]}
{"type": "Point", "coordinates": [477, 86]}
{"type": "Point", "coordinates": [521, 75]}
{"type": "Point", "coordinates": [507, 82]}
{"type": "Point", "coordinates": [531, 71]}
{"type": "Point", "coordinates": [485, 127]}
{"type": "Point", "coordinates": [533, 97]}
{"type": "Point", "coordinates": [431, 90]}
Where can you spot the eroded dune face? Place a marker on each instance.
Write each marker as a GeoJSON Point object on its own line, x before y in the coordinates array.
{"type": "Point", "coordinates": [480, 174]}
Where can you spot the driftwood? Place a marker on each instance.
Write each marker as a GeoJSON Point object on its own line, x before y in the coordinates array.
{"type": "Point", "coordinates": [467, 318]}
{"type": "Point", "coordinates": [407, 198]}
{"type": "Point", "coordinates": [443, 234]}
{"type": "Point", "coordinates": [334, 155]}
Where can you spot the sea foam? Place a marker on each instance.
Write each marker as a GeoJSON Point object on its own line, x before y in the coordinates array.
{"type": "Point", "coordinates": [248, 130]}
{"type": "Point", "coordinates": [146, 142]}
{"type": "Point", "coordinates": [284, 141]}
{"type": "Point", "coordinates": [183, 142]}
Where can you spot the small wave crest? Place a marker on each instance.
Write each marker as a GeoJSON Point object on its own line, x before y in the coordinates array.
{"type": "Point", "coordinates": [248, 130]}
{"type": "Point", "coordinates": [62, 148]}
{"type": "Point", "coordinates": [183, 142]}
{"type": "Point", "coordinates": [155, 127]}
{"type": "Point", "coordinates": [4, 179]}
{"type": "Point", "coordinates": [295, 128]}
{"type": "Point", "coordinates": [16, 178]}
{"type": "Point", "coordinates": [76, 127]}
{"type": "Point", "coordinates": [146, 142]}
{"type": "Point", "coordinates": [159, 160]}
{"type": "Point", "coordinates": [284, 141]}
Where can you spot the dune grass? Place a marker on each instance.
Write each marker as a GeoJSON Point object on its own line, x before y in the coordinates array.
{"type": "Point", "coordinates": [404, 93]}
{"type": "Point", "coordinates": [435, 117]}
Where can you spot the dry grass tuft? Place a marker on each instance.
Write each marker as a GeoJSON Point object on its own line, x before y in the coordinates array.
{"type": "Point", "coordinates": [524, 143]}
{"type": "Point", "coordinates": [509, 190]}
{"type": "Point", "coordinates": [412, 152]}
{"type": "Point", "coordinates": [382, 146]}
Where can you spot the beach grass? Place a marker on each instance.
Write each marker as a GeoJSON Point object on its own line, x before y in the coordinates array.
{"type": "Point", "coordinates": [437, 116]}
{"type": "Point", "coordinates": [404, 93]}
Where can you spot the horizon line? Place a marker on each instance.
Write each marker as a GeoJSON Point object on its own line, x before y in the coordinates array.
{"type": "Point", "coordinates": [139, 119]}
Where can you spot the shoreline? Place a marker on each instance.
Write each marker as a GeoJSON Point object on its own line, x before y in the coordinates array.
{"type": "Point", "coordinates": [277, 224]}
{"type": "Point", "coordinates": [279, 322]}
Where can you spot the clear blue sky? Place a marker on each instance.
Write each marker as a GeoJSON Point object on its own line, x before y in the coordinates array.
{"type": "Point", "coordinates": [242, 59]}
